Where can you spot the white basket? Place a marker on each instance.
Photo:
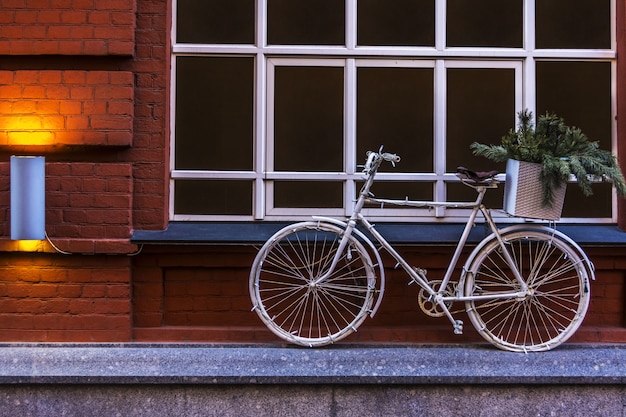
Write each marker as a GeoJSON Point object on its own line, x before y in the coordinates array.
{"type": "Point", "coordinates": [523, 192]}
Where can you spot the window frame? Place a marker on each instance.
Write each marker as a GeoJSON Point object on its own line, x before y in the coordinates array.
{"type": "Point", "coordinates": [351, 56]}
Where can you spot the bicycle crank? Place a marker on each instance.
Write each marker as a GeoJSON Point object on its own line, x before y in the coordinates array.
{"type": "Point", "coordinates": [427, 303]}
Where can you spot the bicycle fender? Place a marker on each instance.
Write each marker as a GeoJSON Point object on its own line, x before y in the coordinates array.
{"type": "Point", "coordinates": [590, 267]}
{"type": "Point", "coordinates": [370, 244]}
{"type": "Point", "coordinates": [520, 227]}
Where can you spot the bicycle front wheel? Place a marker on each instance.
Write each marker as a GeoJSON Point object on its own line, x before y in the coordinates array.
{"type": "Point", "coordinates": [291, 300]}
{"type": "Point", "coordinates": [554, 305]}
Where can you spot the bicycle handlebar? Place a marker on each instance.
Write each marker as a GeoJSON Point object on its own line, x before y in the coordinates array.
{"type": "Point", "coordinates": [374, 159]}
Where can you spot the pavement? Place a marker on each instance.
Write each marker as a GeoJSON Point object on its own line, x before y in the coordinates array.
{"type": "Point", "coordinates": [569, 364]}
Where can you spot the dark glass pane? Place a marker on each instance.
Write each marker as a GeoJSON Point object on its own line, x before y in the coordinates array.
{"type": "Point", "coordinates": [481, 108]}
{"type": "Point", "coordinates": [308, 119]}
{"type": "Point", "coordinates": [395, 109]}
{"type": "Point", "coordinates": [597, 205]}
{"type": "Point", "coordinates": [214, 113]}
{"type": "Point", "coordinates": [490, 23]}
{"type": "Point", "coordinates": [396, 22]}
{"type": "Point", "coordinates": [416, 191]}
{"type": "Point", "coordinates": [576, 24]}
{"type": "Point", "coordinates": [305, 194]}
{"type": "Point", "coordinates": [213, 197]}
{"type": "Point", "coordinates": [579, 92]}
{"type": "Point", "coordinates": [319, 22]}
{"type": "Point", "coordinates": [215, 21]}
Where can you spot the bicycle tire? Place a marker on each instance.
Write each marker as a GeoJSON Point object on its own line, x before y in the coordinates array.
{"type": "Point", "coordinates": [556, 301]}
{"type": "Point", "coordinates": [288, 300]}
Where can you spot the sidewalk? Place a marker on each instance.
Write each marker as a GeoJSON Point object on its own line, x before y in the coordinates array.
{"type": "Point", "coordinates": [339, 364]}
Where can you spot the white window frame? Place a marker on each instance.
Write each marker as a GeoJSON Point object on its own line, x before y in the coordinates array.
{"type": "Point", "coordinates": [351, 56]}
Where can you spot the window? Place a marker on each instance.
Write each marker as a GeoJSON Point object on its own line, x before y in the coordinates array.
{"type": "Point", "coordinates": [275, 102]}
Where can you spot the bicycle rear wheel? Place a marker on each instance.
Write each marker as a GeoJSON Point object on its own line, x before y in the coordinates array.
{"type": "Point", "coordinates": [557, 297]}
{"type": "Point", "coordinates": [289, 300]}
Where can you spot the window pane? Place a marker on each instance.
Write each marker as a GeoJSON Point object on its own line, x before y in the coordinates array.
{"type": "Point", "coordinates": [214, 113]}
{"type": "Point", "coordinates": [305, 194]}
{"type": "Point", "coordinates": [395, 109]}
{"type": "Point", "coordinates": [213, 197]}
{"type": "Point", "coordinates": [416, 191]}
{"type": "Point", "coordinates": [396, 22]}
{"type": "Point", "coordinates": [578, 205]}
{"type": "Point", "coordinates": [580, 93]}
{"type": "Point", "coordinates": [481, 108]}
{"type": "Point", "coordinates": [308, 119]}
{"type": "Point", "coordinates": [494, 23]}
{"type": "Point", "coordinates": [319, 22]}
{"type": "Point", "coordinates": [578, 24]}
{"type": "Point", "coordinates": [215, 21]}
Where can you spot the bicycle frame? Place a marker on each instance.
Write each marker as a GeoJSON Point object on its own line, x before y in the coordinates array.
{"type": "Point", "coordinates": [417, 274]}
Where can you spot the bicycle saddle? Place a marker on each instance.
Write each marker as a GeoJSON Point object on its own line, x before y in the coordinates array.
{"type": "Point", "coordinates": [476, 176]}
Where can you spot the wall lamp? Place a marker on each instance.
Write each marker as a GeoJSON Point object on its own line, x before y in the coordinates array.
{"type": "Point", "coordinates": [28, 198]}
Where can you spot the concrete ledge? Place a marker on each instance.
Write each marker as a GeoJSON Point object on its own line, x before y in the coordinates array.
{"type": "Point", "coordinates": [340, 364]}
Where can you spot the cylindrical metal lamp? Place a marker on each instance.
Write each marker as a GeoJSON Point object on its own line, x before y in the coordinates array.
{"type": "Point", "coordinates": [28, 198]}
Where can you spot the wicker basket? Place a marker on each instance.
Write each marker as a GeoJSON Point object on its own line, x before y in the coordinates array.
{"type": "Point", "coordinates": [523, 192]}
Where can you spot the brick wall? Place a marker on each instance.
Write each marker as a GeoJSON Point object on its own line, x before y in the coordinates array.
{"type": "Point", "coordinates": [88, 206]}
{"type": "Point", "coordinates": [151, 119]}
{"type": "Point", "coordinates": [201, 294]}
{"type": "Point", "coordinates": [66, 107]}
{"type": "Point", "coordinates": [51, 298]}
{"type": "Point", "coordinates": [84, 83]}
{"type": "Point", "coordinates": [67, 27]}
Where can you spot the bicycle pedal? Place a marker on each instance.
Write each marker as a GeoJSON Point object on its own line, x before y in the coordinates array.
{"type": "Point", "coordinates": [458, 327]}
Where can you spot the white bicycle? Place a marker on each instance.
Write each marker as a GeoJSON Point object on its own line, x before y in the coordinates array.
{"type": "Point", "coordinates": [524, 287]}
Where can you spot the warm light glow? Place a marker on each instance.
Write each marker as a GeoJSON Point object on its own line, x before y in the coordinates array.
{"type": "Point", "coordinates": [31, 130]}
{"type": "Point", "coordinates": [30, 245]}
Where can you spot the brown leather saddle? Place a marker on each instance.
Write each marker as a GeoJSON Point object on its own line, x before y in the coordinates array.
{"type": "Point", "coordinates": [475, 176]}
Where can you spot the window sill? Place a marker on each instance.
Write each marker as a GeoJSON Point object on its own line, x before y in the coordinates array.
{"type": "Point", "coordinates": [224, 233]}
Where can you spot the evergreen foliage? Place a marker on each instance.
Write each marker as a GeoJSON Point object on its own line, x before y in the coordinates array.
{"type": "Point", "coordinates": [560, 149]}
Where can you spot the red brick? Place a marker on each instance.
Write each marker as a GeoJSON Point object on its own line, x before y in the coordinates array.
{"type": "Point", "coordinates": [120, 108]}
{"type": "Point", "coordinates": [48, 16]}
{"type": "Point", "coordinates": [113, 92]}
{"type": "Point", "coordinates": [110, 122]}
{"type": "Point", "coordinates": [6, 77]}
{"type": "Point", "coordinates": [81, 93]}
{"type": "Point", "coordinates": [58, 92]}
{"type": "Point", "coordinates": [113, 170]}
{"type": "Point", "coordinates": [95, 107]}
{"type": "Point", "coordinates": [73, 17]}
{"type": "Point", "coordinates": [96, 47]}
{"type": "Point", "coordinates": [43, 290]}
{"type": "Point", "coordinates": [26, 77]}
{"type": "Point", "coordinates": [36, 4]}
{"type": "Point", "coordinates": [100, 18]}
{"type": "Point", "coordinates": [49, 107]}
{"type": "Point", "coordinates": [71, 107]}
{"type": "Point", "coordinates": [24, 107]}
{"type": "Point", "coordinates": [25, 16]}
{"type": "Point", "coordinates": [33, 91]}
